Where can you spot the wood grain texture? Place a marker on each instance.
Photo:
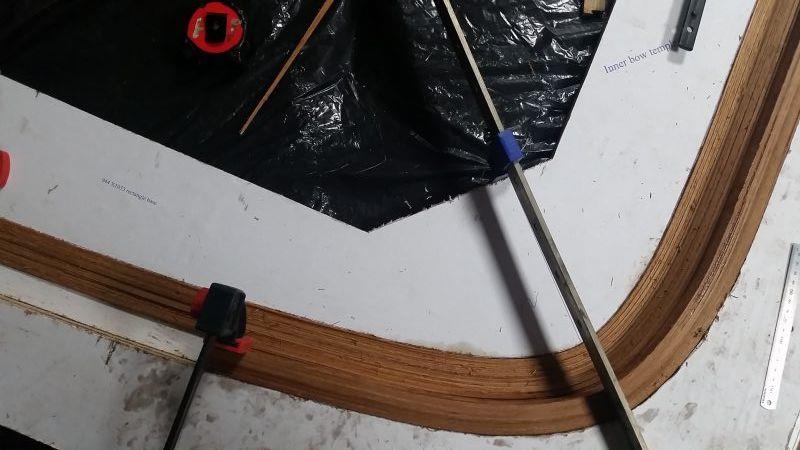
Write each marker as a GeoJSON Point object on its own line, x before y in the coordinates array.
{"type": "Point", "coordinates": [667, 313]}
{"type": "Point", "coordinates": [594, 6]}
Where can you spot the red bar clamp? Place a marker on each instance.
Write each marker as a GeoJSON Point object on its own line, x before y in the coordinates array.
{"type": "Point", "coordinates": [221, 316]}
{"type": "Point", "coordinates": [228, 306]}
{"type": "Point", "coordinates": [5, 167]}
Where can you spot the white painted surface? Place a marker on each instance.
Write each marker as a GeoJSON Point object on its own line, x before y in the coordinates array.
{"type": "Point", "coordinates": [82, 392]}
{"type": "Point", "coordinates": [434, 278]}
{"type": "Point", "coordinates": [95, 314]}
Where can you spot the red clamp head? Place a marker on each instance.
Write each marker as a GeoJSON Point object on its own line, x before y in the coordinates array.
{"type": "Point", "coordinates": [5, 167]}
{"type": "Point", "coordinates": [199, 301]}
{"type": "Point", "coordinates": [225, 317]}
{"type": "Point", "coordinates": [240, 345]}
{"type": "Point", "coordinates": [215, 28]}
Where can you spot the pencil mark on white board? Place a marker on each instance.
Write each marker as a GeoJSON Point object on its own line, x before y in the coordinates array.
{"type": "Point", "coordinates": [688, 410]}
{"type": "Point", "coordinates": [122, 188]}
{"type": "Point", "coordinates": [23, 127]}
{"type": "Point", "coordinates": [636, 57]}
{"type": "Point", "coordinates": [649, 415]}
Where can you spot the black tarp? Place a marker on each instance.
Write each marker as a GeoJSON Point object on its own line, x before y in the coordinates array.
{"type": "Point", "coordinates": [375, 121]}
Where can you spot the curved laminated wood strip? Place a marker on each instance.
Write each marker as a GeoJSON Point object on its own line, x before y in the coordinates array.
{"type": "Point", "coordinates": [667, 313]}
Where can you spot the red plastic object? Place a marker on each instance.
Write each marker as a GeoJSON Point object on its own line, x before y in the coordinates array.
{"type": "Point", "coordinates": [243, 345]}
{"type": "Point", "coordinates": [234, 28]}
{"type": "Point", "coordinates": [5, 168]}
{"type": "Point", "coordinates": [199, 301]}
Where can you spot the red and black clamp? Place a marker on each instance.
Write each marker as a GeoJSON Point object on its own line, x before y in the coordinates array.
{"type": "Point", "coordinates": [220, 310]}
{"type": "Point", "coordinates": [221, 315]}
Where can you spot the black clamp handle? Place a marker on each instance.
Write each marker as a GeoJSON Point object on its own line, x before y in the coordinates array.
{"type": "Point", "coordinates": [221, 315]}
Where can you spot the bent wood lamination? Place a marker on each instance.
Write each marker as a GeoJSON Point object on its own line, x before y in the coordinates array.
{"type": "Point", "coordinates": [662, 320]}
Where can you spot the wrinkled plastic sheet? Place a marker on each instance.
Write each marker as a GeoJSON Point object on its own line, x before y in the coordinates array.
{"type": "Point", "coordinates": [375, 121]}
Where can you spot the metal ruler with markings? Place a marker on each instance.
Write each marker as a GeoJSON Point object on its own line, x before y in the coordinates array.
{"type": "Point", "coordinates": [783, 330]}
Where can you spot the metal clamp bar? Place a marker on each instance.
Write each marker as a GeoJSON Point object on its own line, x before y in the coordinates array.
{"type": "Point", "coordinates": [691, 24]}
{"type": "Point", "coordinates": [188, 394]}
{"type": "Point", "coordinates": [547, 244]}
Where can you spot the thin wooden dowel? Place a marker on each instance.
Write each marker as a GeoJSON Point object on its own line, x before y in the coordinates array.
{"type": "Point", "coordinates": [326, 5]}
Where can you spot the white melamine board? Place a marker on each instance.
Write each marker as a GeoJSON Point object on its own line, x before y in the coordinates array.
{"type": "Point", "coordinates": [438, 278]}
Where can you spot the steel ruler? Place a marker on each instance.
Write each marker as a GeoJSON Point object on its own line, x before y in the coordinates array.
{"type": "Point", "coordinates": [783, 331]}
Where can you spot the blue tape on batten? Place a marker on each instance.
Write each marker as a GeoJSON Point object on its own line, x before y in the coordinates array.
{"type": "Point", "coordinates": [509, 146]}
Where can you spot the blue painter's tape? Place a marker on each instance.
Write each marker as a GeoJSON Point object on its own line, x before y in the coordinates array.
{"type": "Point", "coordinates": [511, 152]}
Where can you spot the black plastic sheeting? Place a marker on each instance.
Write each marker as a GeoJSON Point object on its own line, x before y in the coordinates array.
{"type": "Point", "coordinates": [375, 121]}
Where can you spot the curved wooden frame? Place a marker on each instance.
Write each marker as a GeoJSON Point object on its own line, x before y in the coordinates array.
{"type": "Point", "coordinates": [659, 324]}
